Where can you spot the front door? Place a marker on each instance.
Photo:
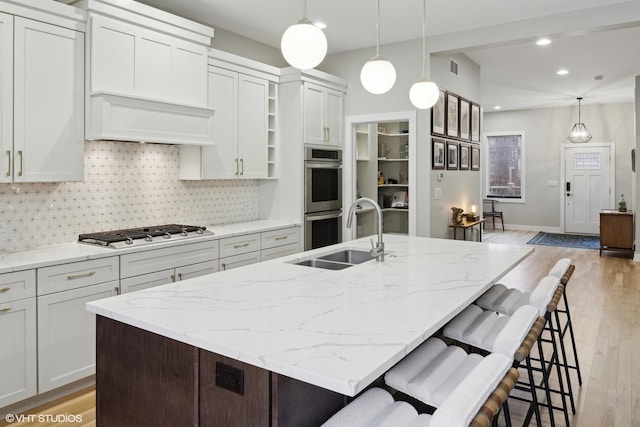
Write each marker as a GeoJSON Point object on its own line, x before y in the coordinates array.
{"type": "Point", "coordinates": [587, 186]}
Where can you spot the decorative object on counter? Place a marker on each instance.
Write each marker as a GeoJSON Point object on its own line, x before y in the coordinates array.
{"type": "Point", "coordinates": [380, 178]}
{"type": "Point", "coordinates": [622, 204]}
{"type": "Point", "coordinates": [303, 44]}
{"type": "Point", "coordinates": [423, 93]}
{"type": "Point", "coordinates": [438, 114]}
{"type": "Point", "coordinates": [437, 154]}
{"type": "Point", "coordinates": [452, 155]}
{"type": "Point", "coordinates": [579, 132]}
{"type": "Point", "coordinates": [378, 75]}
{"type": "Point", "coordinates": [456, 216]}
{"type": "Point", "coordinates": [453, 130]}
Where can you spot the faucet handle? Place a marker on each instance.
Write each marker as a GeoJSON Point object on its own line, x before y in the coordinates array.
{"type": "Point", "coordinates": [372, 245]}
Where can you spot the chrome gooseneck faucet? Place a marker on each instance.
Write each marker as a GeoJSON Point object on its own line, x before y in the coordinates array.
{"type": "Point", "coordinates": [377, 251]}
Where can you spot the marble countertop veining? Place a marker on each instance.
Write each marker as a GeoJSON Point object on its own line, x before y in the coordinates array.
{"type": "Point", "coordinates": [73, 251]}
{"type": "Point", "coordinates": [339, 330]}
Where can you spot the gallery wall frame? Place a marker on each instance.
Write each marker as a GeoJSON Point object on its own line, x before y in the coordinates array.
{"type": "Point", "coordinates": [464, 149]}
{"type": "Point", "coordinates": [452, 115]}
{"type": "Point", "coordinates": [464, 120]}
{"type": "Point", "coordinates": [438, 114]}
{"type": "Point", "coordinates": [475, 157]}
{"type": "Point", "coordinates": [438, 153]}
{"type": "Point", "coordinates": [452, 155]}
{"type": "Point", "coordinates": [475, 122]}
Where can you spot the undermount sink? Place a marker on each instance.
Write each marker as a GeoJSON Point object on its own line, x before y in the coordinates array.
{"type": "Point", "coordinates": [338, 260]}
{"type": "Point", "coordinates": [327, 265]}
{"type": "Point", "coordinates": [349, 256]}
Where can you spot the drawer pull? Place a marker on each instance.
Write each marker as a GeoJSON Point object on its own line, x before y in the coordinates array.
{"type": "Point", "coordinates": [81, 275]}
{"type": "Point", "coordinates": [4, 309]}
{"type": "Point", "coordinates": [173, 277]}
{"type": "Point", "coordinates": [282, 237]}
{"type": "Point", "coordinates": [243, 245]}
{"type": "Point", "coordinates": [224, 266]}
{"type": "Point", "coordinates": [5, 289]}
{"type": "Point", "coordinates": [179, 277]}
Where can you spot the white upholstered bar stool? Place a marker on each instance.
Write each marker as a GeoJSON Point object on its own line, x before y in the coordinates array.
{"type": "Point", "coordinates": [473, 399]}
{"type": "Point", "coordinates": [503, 300]}
{"type": "Point", "coordinates": [481, 328]}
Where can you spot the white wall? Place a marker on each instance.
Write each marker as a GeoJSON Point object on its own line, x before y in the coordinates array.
{"type": "Point", "coordinates": [458, 188]}
{"type": "Point", "coordinates": [545, 131]}
{"type": "Point", "coordinates": [252, 49]}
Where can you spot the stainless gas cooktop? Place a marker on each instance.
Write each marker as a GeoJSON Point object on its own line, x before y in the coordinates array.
{"type": "Point", "coordinates": [144, 235]}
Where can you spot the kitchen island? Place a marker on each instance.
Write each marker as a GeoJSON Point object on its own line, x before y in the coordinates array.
{"type": "Point", "coordinates": [277, 343]}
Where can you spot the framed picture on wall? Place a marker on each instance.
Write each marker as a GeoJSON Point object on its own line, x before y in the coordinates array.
{"type": "Point", "coordinates": [437, 154]}
{"type": "Point", "coordinates": [464, 156]}
{"type": "Point", "coordinates": [465, 120]}
{"type": "Point", "coordinates": [438, 114]}
{"type": "Point", "coordinates": [475, 157]}
{"type": "Point", "coordinates": [475, 122]}
{"type": "Point", "coordinates": [452, 155]}
{"type": "Point", "coordinates": [452, 115]}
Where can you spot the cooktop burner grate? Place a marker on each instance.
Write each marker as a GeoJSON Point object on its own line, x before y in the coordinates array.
{"type": "Point", "coordinates": [128, 234]}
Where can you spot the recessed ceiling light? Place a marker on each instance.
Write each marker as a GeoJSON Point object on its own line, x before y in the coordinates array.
{"type": "Point", "coordinates": [543, 42]}
{"type": "Point", "coordinates": [562, 72]}
{"type": "Point", "coordinates": [497, 107]}
{"type": "Point", "coordinates": [320, 25]}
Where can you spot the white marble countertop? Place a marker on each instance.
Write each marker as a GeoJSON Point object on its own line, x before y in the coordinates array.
{"type": "Point", "coordinates": [339, 330]}
{"type": "Point", "coordinates": [73, 251]}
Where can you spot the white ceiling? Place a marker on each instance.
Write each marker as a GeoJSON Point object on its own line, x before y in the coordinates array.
{"type": "Point", "coordinates": [601, 37]}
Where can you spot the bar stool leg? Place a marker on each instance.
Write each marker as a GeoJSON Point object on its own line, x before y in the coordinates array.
{"type": "Point", "coordinates": [546, 386]}
{"type": "Point", "coordinates": [555, 357]}
{"type": "Point", "coordinates": [573, 339]}
{"type": "Point", "coordinates": [565, 363]}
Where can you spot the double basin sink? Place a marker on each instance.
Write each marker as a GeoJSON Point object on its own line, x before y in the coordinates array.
{"type": "Point", "coordinates": [344, 258]}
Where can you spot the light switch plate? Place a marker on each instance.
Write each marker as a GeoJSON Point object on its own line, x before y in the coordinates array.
{"type": "Point", "coordinates": [437, 193]}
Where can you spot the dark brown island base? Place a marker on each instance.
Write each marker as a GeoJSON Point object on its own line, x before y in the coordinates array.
{"type": "Point", "coordinates": [145, 379]}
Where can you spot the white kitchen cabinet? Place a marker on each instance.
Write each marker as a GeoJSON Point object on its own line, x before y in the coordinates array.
{"type": "Point", "coordinates": [279, 251]}
{"type": "Point", "coordinates": [244, 133]}
{"type": "Point", "coordinates": [251, 248]}
{"type": "Point", "coordinates": [44, 140]}
{"type": "Point", "coordinates": [132, 60]}
{"type": "Point", "coordinates": [237, 245]}
{"type": "Point", "coordinates": [74, 275]}
{"type": "Point", "coordinates": [323, 115]}
{"type": "Point", "coordinates": [67, 335]}
{"type": "Point", "coordinates": [136, 283]}
{"type": "Point", "coordinates": [18, 351]}
{"type": "Point", "coordinates": [241, 260]}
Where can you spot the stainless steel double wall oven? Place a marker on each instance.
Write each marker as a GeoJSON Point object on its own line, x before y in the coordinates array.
{"type": "Point", "coordinates": [323, 197]}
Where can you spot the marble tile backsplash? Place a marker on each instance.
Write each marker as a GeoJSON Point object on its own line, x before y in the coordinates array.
{"type": "Point", "coordinates": [125, 185]}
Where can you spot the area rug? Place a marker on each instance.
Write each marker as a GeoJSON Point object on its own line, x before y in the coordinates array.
{"type": "Point", "coordinates": [566, 240]}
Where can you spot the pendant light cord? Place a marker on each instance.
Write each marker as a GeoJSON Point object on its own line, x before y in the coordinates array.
{"type": "Point", "coordinates": [304, 9]}
{"type": "Point", "coordinates": [378, 31]}
{"type": "Point", "coordinates": [424, 39]}
{"type": "Point", "coordinates": [579, 119]}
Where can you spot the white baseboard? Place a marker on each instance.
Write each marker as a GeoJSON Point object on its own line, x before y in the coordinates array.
{"type": "Point", "coordinates": [519, 227]}
{"type": "Point", "coordinates": [636, 257]}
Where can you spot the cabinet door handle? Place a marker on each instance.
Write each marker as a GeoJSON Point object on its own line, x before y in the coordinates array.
{"type": "Point", "coordinates": [117, 290]}
{"type": "Point", "coordinates": [20, 154]}
{"type": "Point", "coordinates": [5, 309]}
{"type": "Point", "coordinates": [5, 289]}
{"type": "Point", "coordinates": [282, 237]}
{"type": "Point", "coordinates": [242, 245]}
{"type": "Point", "coordinates": [328, 134]}
{"type": "Point", "coordinates": [179, 276]}
{"type": "Point", "coordinates": [237, 167]}
{"type": "Point", "coordinates": [81, 275]}
{"type": "Point", "coordinates": [241, 166]}
{"type": "Point", "coordinates": [224, 266]}
{"type": "Point", "coordinates": [173, 277]}
{"type": "Point", "coordinates": [9, 168]}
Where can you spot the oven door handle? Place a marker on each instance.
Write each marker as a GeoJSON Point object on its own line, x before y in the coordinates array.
{"type": "Point", "coordinates": [323, 165]}
{"type": "Point", "coordinates": [322, 217]}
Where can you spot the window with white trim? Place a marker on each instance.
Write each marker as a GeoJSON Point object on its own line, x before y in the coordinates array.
{"type": "Point", "coordinates": [505, 166]}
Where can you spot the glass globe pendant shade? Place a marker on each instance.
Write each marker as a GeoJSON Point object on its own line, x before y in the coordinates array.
{"type": "Point", "coordinates": [378, 75]}
{"type": "Point", "coordinates": [579, 133]}
{"type": "Point", "coordinates": [303, 45]}
{"type": "Point", "coordinates": [424, 94]}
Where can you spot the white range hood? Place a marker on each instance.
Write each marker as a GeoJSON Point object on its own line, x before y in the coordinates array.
{"type": "Point", "coordinates": [124, 118]}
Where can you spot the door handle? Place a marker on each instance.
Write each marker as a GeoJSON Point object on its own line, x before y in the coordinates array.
{"type": "Point", "coordinates": [20, 154]}
{"type": "Point", "coordinates": [241, 166]}
{"type": "Point", "coordinates": [568, 186]}
{"type": "Point", "coordinates": [9, 168]}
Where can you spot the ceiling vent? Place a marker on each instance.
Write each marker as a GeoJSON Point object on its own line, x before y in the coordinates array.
{"type": "Point", "coordinates": [453, 67]}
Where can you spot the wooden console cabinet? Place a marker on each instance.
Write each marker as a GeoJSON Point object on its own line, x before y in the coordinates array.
{"type": "Point", "coordinates": [616, 231]}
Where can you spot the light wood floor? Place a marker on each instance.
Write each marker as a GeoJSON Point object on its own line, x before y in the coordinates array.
{"type": "Point", "coordinates": [604, 295]}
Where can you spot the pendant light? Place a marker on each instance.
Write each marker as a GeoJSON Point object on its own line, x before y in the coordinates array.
{"type": "Point", "coordinates": [423, 93]}
{"type": "Point", "coordinates": [303, 45]}
{"type": "Point", "coordinates": [579, 132]}
{"type": "Point", "coordinates": [378, 75]}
